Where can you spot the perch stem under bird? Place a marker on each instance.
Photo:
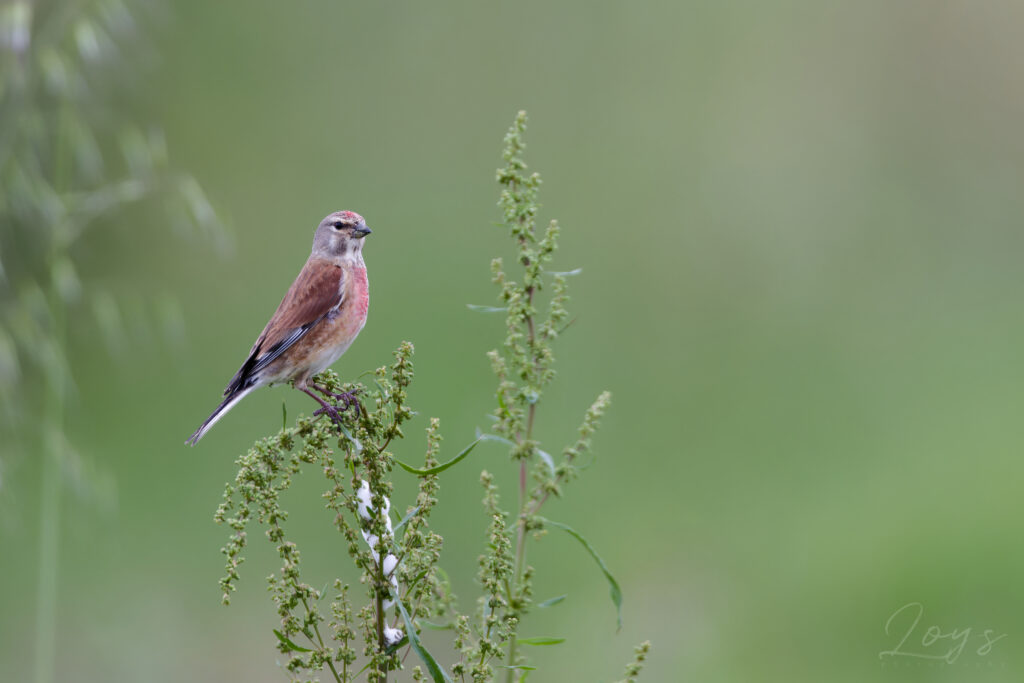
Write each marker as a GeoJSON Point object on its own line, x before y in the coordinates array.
{"type": "Point", "coordinates": [318, 319]}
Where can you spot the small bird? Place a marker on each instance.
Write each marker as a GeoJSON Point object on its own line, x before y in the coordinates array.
{"type": "Point", "coordinates": [318, 319]}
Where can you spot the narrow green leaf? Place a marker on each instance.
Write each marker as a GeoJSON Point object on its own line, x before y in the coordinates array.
{"type": "Point", "coordinates": [548, 460]}
{"type": "Point", "coordinates": [397, 646]}
{"type": "Point", "coordinates": [486, 309]}
{"type": "Point", "coordinates": [521, 667]}
{"type": "Point", "coordinates": [437, 674]}
{"type": "Point", "coordinates": [544, 455]}
{"type": "Point", "coordinates": [405, 520]}
{"type": "Point", "coordinates": [440, 468]}
{"type": "Point", "coordinates": [567, 273]}
{"type": "Point", "coordinates": [284, 416]}
{"type": "Point", "coordinates": [445, 582]}
{"type": "Point", "coordinates": [493, 437]}
{"type": "Point", "coordinates": [553, 601]}
{"type": "Point", "coordinates": [614, 590]}
{"type": "Point", "coordinates": [419, 576]}
{"type": "Point", "coordinates": [380, 388]}
{"type": "Point", "coordinates": [288, 644]}
{"type": "Point", "coordinates": [354, 440]}
{"type": "Point", "coordinates": [436, 627]}
{"type": "Point", "coordinates": [567, 326]}
{"type": "Point", "coordinates": [541, 640]}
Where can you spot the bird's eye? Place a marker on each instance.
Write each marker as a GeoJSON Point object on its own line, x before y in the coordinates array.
{"type": "Point", "coordinates": [338, 225]}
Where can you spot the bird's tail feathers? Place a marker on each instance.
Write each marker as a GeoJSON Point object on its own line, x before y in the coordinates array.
{"type": "Point", "coordinates": [223, 408]}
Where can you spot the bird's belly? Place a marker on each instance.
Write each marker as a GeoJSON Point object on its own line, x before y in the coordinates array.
{"type": "Point", "coordinates": [323, 355]}
{"type": "Point", "coordinates": [325, 343]}
{"type": "Point", "coordinates": [319, 348]}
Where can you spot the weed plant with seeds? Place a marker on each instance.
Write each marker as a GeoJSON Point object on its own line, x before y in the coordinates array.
{"type": "Point", "coordinates": [368, 622]}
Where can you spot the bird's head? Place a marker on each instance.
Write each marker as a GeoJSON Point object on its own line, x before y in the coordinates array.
{"type": "Point", "coordinates": [340, 235]}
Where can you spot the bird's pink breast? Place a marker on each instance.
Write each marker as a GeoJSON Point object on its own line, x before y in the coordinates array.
{"type": "Point", "coordinates": [327, 341]}
{"type": "Point", "coordinates": [360, 292]}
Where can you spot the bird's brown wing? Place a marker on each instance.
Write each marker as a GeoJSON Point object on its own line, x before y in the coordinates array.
{"type": "Point", "coordinates": [316, 292]}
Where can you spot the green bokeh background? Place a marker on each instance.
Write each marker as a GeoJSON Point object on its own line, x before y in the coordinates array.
{"type": "Point", "coordinates": [800, 228]}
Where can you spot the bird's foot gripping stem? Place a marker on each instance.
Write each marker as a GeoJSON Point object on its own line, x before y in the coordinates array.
{"type": "Point", "coordinates": [346, 397]}
{"type": "Point", "coordinates": [329, 410]}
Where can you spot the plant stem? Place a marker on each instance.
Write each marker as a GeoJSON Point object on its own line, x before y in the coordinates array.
{"type": "Point", "coordinates": [520, 559]}
{"type": "Point", "coordinates": [518, 566]}
{"type": "Point", "coordinates": [320, 642]}
{"type": "Point", "coordinates": [49, 541]}
{"type": "Point", "coordinates": [49, 502]}
{"type": "Point", "coordinates": [52, 444]}
{"type": "Point", "coordinates": [381, 646]}
{"type": "Point", "coordinates": [381, 551]}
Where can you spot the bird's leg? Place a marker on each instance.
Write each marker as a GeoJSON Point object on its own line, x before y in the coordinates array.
{"type": "Point", "coordinates": [344, 396]}
{"type": "Point", "coordinates": [327, 408]}
{"type": "Point", "coordinates": [348, 398]}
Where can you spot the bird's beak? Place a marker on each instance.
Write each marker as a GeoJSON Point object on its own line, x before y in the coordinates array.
{"type": "Point", "coordinates": [362, 231]}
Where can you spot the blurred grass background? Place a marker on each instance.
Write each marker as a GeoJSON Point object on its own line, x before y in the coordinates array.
{"type": "Point", "coordinates": [800, 228]}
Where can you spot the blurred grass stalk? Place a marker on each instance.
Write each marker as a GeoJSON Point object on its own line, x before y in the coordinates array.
{"type": "Point", "coordinates": [68, 160]}
{"type": "Point", "coordinates": [55, 396]}
{"type": "Point", "coordinates": [50, 503]}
